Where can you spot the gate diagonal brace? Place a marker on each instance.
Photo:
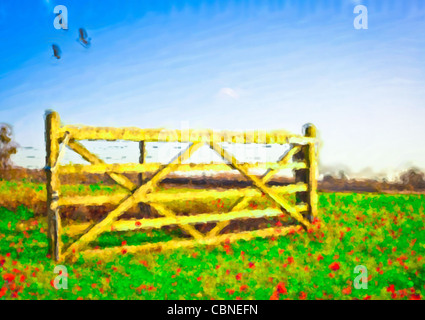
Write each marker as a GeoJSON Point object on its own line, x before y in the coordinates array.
{"type": "Point", "coordinates": [260, 185]}
{"type": "Point", "coordinates": [137, 195]}
{"type": "Point", "coordinates": [243, 203]}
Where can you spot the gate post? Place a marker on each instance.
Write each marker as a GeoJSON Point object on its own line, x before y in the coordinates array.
{"type": "Point", "coordinates": [308, 175]}
{"type": "Point", "coordinates": [52, 123]}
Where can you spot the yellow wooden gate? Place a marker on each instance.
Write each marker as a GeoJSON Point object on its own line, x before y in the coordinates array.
{"type": "Point", "coordinates": [301, 158]}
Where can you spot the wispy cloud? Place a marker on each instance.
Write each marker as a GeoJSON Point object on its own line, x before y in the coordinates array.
{"type": "Point", "coordinates": [228, 93]}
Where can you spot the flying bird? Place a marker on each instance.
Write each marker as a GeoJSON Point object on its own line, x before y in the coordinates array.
{"type": "Point", "coordinates": [84, 39]}
{"type": "Point", "coordinates": [56, 51]}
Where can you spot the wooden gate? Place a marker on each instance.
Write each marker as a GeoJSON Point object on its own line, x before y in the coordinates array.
{"type": "Point", "coordinates": [301, 158]}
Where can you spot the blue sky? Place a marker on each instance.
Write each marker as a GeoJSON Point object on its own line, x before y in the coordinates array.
{"type": "Point", "coordinates": [225, 65]}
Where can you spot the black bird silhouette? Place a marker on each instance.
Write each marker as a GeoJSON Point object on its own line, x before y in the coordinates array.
{"type": "Point", "coordinates": [56, 51]}
{"type": "Point", "coordinates": [84, 40]}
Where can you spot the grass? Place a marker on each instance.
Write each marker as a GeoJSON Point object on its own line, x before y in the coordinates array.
{"type": "Point", "coordinates": [384, 233]}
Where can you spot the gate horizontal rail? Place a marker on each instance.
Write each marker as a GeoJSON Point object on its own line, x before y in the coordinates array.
{"type": "Point", "coordinates": [153, 167]}
{"type": "Point", "coordinates": [174, 244]}
{"type": "Point", "coordinates": [163, 197]}
{"type": "Point", "coordinates": [166, 135]}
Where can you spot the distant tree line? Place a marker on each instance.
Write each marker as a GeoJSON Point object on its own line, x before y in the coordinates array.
{"type": "Point", "coordinates": [410, 180]}
{"type": "Point", "coordinates": [414, 179]}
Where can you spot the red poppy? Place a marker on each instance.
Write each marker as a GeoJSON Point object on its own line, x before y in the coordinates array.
{"type": "Point", "coordinates": [275, 296]}
{"type": "Point", "coordinates": [334, 266]}
{"type": "Point", "coordinates": [9, 277]}
{"type": "Point", "coordinates": [140, 288]}
{"type": "Point", "coordinates": [415, 297]}
{"type": "Point", "coordinates": [230, 291]}
{"type": "Point", "coordinates": [402, 293]}
{"type": "Point", "coordinates": [402, 258]}
{"type": "Point", "coordinates": [243, 287]}
{"type": "Point", "coordinates": [3, 291]}
{"type": "Point", "coordinates": [281, 288]}
{"type": "Point", "coordinates": [290, 260]}
{"type": "Point", "coordinates": [239, 276]}
{"type": "Point", "coordinates": [303, 296]}
{"type": "Point", "coordinates": [391, 289]}
{"type": "Point", "coordinates": [251, 265]}
{"type": "Point", "coordinates": [346, 291]}
{"type": "Point", "coordinates": [319, 257]}
{"type": "Point", "coordinates": [138, 223]}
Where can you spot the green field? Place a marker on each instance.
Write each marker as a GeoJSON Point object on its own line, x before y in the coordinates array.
{"type": "Point", "coordinates": [384, 233]}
